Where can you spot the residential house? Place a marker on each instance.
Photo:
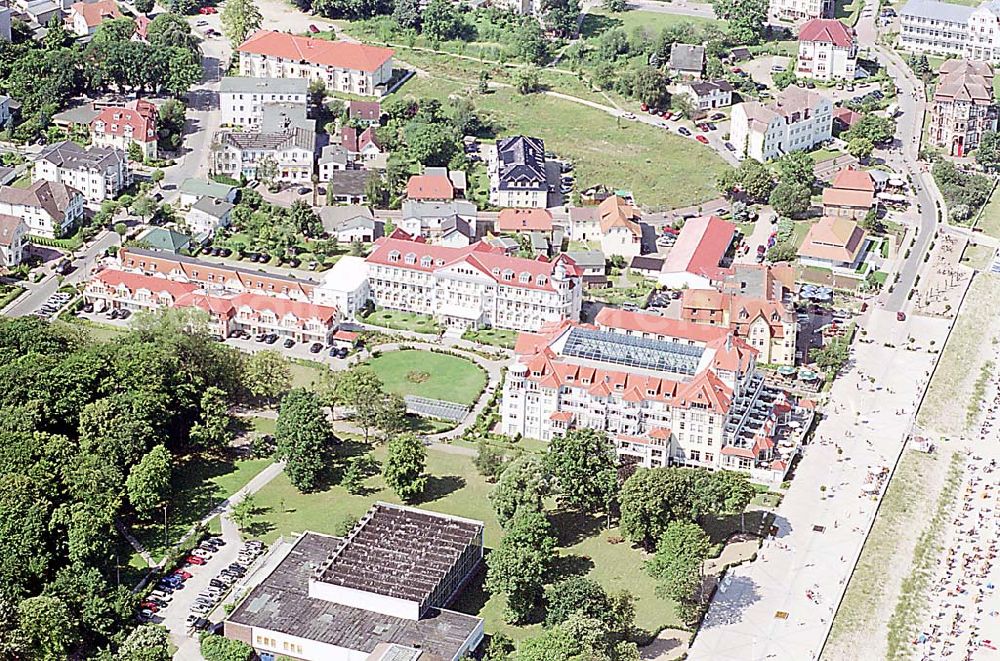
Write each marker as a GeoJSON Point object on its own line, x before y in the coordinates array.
{"type": "Point", "coordinates": [614, 224]}
{"type": "Point", "coordinates": [828, 50]}
{"type": "Point", "coordinates": [362, 148]}
{"type": "Point", "coordinates": [334, 158]}
{"type": "Point", "coordinates": [964, 107]}
{"type": "Point", "coordinates": [943, 28]}
{"type": "Point", "coordinates": [769, 326]}
{"type": "Point", "coordinates": [429, 188]}
{"type": "Point", "coordinates": [365, 112]}
{"type": "Point", "coordinates": [193, 190]}
{"type": "Point", "coordinates": [208, 215]}
{"type": "Point", "coordinates": [457, 178]}
{"type": "Point", "coordinates": [797, 10]}
{"type": "Point", "coordinates": [514, 221]}
{"type": "Point", "coordinates": [687, 60]}
{"type": "Point", "coordinates": [667, 392]}
{"type": "Point", "coordinates": [285, 137]}
{"type": "Point", "coordinates": [351, 223]}
{"type": "Point", "coordinates": [593, 267]}
{"type": "Point", "coordinates": [342, 66]}
{"type": "Point", "coordinates": [695, 258]}
{"type": "Point", "coordinates": [798, 120]}
{"type": "Point", "coordinates": [473, 287]}
{"type": "Point", "coordinates": [86, 17]}
{"type": "Point", "coordinates": [100, 173]}
{"type": "Point", "coordinates": [13, 231]}
{"type": "Point", "coordinates": [708, 95]}
{"type": "Point", "coordinates": [348, 186]}
{"type": "Point", "coordinates": [844, 119]}
{"type": "Point", "coordinates": [851, 195]}
{"type": "Point", "coordinates": [132, 124]}
{"type": "Point", "coordinates": [833, 242]}
{"type": "Point", "coordinates": [456, 232]}
{"type": "Point", "coordinates": [242, 99]}
{"type": "Point", "coordinates": [142, 23]}
{"type": "Point", "coordinates": [517, 173]}
{"type": "Point", "coordinates": [648, 266]}
{"type": "Point", "coordinates": [428, 219]}
{"type": "Point", "coordinates": [522, 7]}
{"type": "Point", "coordinates": [163, 239]}
{"type": "Point", "coordinates": [48, 209]}
{"type": "Point", "coordinates": [345, 286]}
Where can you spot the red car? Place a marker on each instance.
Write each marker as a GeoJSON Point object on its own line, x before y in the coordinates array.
{"type": "Point", "coordinates": [183, 574]}
{"type": "Point", "coordinates": [900, 316]}
{"type": "Point", "coordinates": [313, 29]}
{"type": "Point", "coordinates": [150, 605]}
{"type": "Point", "coordinates": [702, 139]}
{"type": "Point", "coordinates": [208, 10]}
{"type": "Point", "coordinates": [194, 560]}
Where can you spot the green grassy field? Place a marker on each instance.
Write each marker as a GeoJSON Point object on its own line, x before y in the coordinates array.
{"type": "Point", "coordinates": [500, 337]}
{"type": "Point", "coordinates": [429, 374]}
{"type": "Point", "coordinates": [456, 488]}
{"type": "Point", "coordinates": [989, 218]}
{"type": "Point", "coordinates": [306, 373]}
{"type": "Point", "coordinates": [199, 484]}
{"type": "Point", "coordinates": [598, 20]}
{"type": "Point", "coordinates": [394, 319]}
{"type": "Point", "coordinates": [653, 163]}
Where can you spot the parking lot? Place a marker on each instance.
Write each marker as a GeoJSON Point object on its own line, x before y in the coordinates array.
{"type": "Point", "coordinates": [52, 305]}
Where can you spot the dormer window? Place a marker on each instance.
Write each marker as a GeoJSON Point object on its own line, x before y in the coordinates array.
{"type": "Point", "coordinates": [508, 275]}
{"type": "Point", "coordinates": [425, 261]}
{"type": "Point", "coordinates": [744, 314]}
{"type": "Point", "coordinates": [525, 278]}
{"type": "Point", "coordinates": [540, 281]}
{"type": "Point", "coordinates": [411, 258]}
{"type": "Point", "coordinates": [394, 256]}
{"type": "Point", "coordinates": [439, 262]}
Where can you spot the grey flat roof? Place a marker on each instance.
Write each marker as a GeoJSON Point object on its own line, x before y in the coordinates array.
{"type": "Point", "coordinates": [938, 11]}
{"type": "Point", "coordinates": [281, 603]}
{"type": "Point", "coordinates": [247, 85]}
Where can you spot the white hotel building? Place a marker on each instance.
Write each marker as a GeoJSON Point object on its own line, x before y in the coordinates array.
{"type": "Point", "coordinates": [797, 121]}
{"type": "Point", "coordinates": [942, 28]}
{"type": "Point", "coordinates": [242, 100]}
{"type": "Point", "coordinates": [667, 392]}
{"type": "Point", "coordinates": [342, 66]}
{"type": "Point", "coordinates": [473, 287]}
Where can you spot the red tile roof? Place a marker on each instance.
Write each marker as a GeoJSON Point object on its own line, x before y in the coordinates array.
{"type": "Point", "coordinates": [136, 281]}
{"type": "Point", "coordinates": [139, 115]}
{"type": "Point", "coordinates": [366, 110]}
{"type": "Point", "coordinates": [637, 322]}
{"type": "Point", "coordinates": [832, 238]}
{"type": "Point", "coordinates": [9, 229]}
{"type": "Point", "coordinates": [525, 220]}
{"type": "Point", "coordinates": [429, 187]}
{"type": "Point", "coordinates": [827, 30]}
{"type": "Point", "coordinates": [340, 54]}
{"type": "Point", "coordinates": [700, 246]}
{"type": "Point", "coordinates": [95, 13]}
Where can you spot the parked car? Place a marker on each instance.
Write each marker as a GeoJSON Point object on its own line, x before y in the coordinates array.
{"type": "Point", "coordinates": [217, 583]}
{"type": "Point", "coordinates": [302, 190]}
{"type": "Point", "coordinates": [683, 131]}
{"type": "Point", "coordinates": [316, 347]}
{"type": "Point", "coordinates": [161, 595]}
{"type": "Point", "coordinates": [271, 338]}
{"type": "Point", "coordinates": [313, 29]}
{"type": "Point", "coordinates": [702, 139]}
{"type": "Point", "coordinates": [181, 574]}
{"type": "Point", "coordinates": [288, 343]}
{"type": "Point", "coordinates": [194, 560]}
{"type": "Point", "coordinates": [900, 316]}
{"type": "Point", "coordinates": [730, 146]}
{"type": "Point", "coordinates": [201, 553]}
{"type": "Point", "coordinates": [717, 117]}
{"type": "Point", "coordinates": [204, 11]}
{"type": "Point", "coordinates": [149, 605]}
{"type": "Point", "coordinates": [342, 352]}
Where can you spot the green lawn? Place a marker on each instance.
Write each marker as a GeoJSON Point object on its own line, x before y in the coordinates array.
{"type": "Point", "coordinates": [653, 163]}
{"type": "Point", "coordinates": [977, 257]}
{"type": "Point", "coordinates": [824, 154]}
{"type": "Point", "coordinates": [408, 321]}
{"type": "Point", "coordinates": [989, 217]}
{"type": "Point", "coordinates": [23, 181]}
{"type": "Point", "coordinates": [429, 374]}
{"type": "Point", "coordinates": [306, 373]}
{"type": "Point", "coordinates": [598, 20]}
{"type": "Point", "coordinates": [456, 488]}
{"type": "Point", "coordinates": [498, 337]}
{"type": "Point", "coordinates": [199, 484]}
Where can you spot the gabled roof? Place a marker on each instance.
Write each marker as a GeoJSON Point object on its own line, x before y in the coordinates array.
{"type": "Point", "coordinates": [54, 198]}
{"type": "Point", "coordinates": [937, 11]}
{"type": "Point", "coordinates": [521, 163]}
{"type": "Point", "coordinates": [340, 54]}
{"type": "Point", "coordinates": [95, 13]}
{"type": "Point", "coordinates": [9, 226]}
{"type": "Point", "coordinates": [369, 111]}
{"type": "Point", "coordinates": [701, 245]}
{"type": "Point", "coordinates": [687, 57]}
{"type": "Point", "coordinates": [639, 323]}
{"type": "Point", "coordinates": [137, 120]}
{"type": "Point", "coordinates": [615, 212]}
{"type": "Point", "coordinates": [524, 220]}
{"type": "Point", "coordinates": [429, 187]}
{"type": "Point", "coordinates": [827, 31]}
{"type": "Point", "coordinates": [833, 238]}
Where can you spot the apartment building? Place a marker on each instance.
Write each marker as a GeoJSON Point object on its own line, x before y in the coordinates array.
{"type": "Point", "coordinates": [217, 276]}
{"type": "Point", "coordinates": [614, 223]}
{"type": "Point", "coordinates": [48, 209]}
{"type": "Point", "coordinates": [100, 173]}
{"type": "Point", "coordinates": [123, 126]}
{"type": "Point", "coordinates": [798, 120]}
{"type": "Point", "coordinates": [800, 10]}
{"type": "Point", "coordinates": [708, 95]}
{"type": "Point", "coordinates": [229, 311]}
{"type": "Point", "coordinates": [517, 173]}
{"type": "Point", "coordinates": [242, 99]}
{"type": "Point", "coordinates": [341, 65]}
{"type": "Point", "coordinates": [473, 287]}
{"type": "Point", "coordinates": [963, 107]}
{"type": "Point", "coordinates": [828, 50]}
{"type": "Point", "coordinates": [942, 28]}
{"type": "Point", "coordinates": [13, 231]}
{"type": "Point", "coordinates": [667, 392]}
{"type": "Point", "coordinates": [292, 149]}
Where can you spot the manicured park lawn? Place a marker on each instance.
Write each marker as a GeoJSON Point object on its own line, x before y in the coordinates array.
{"type": "Point", "coordinates": [199, 484]}
{"type": "Point", "coordinates": [989, 218]}
{"type": "Point", "coordinates": [598, 20]}
{"type": "Point", "coordinates": [429, 374]}
{"type": "Point", "coordinates": [397, 320]}
{"type": "Point", "coordinates": [499, 337]}
{"type": "Point", "coordinates": [306, 373]}
{"type": "Point", "coordinates": [456, 488]}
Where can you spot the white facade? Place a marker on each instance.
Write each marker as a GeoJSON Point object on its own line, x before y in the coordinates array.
{"type": "Point", "coordinates": [99, 177]}
{"type": "Point", "coordinates": [796, 10]}
{"type": "Point", "coordinates": [708, 95]}
{"type": "Point", "coordinates": [768, 132]}
{"type": "Point", "coordinates": [208, 215]}
{"type": "Point", "coordinates": [46, 215]}
{"type": "Point", "coordinates": [941, 28]}
{"type": "Point", "coordinates": [345, 286]}
{"type": "Point", "coordinates": [242, 100]}
{"type": "Point", "coordinates": [239, 154]}
{"type": "Point", "coordinates": [825, 61]}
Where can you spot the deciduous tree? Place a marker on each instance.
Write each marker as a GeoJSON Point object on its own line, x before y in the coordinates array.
{"type": "Point", "coordinates": [583, 463]}
{"type": "Point", "coordinates": [522, 486]}
{"type": "Point", "coordinates": [790, 199]}
{"type": "Point", "coordinates": [148, 483]}
{"type": "Point", "coordinates": [518, 565]}
{"type": "Point", "coordinates": [404, 466]}
{"type": "Point", "coordinates": [677, 564]}
{"type": "Point", "coordinates": [301, 436]}
{"type": "Point", "coordinates": [267, 375]}
{"type": "Point", "coordinates": [240, 19]}
{"type": "Point", "coordinates": [49, 626]}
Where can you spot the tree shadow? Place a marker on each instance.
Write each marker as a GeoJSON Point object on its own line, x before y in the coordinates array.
{"type": "Point", "coordinates": [566, 566]}
{"type": "Point", "coordinates": [751, 522]}
{"type": "Point", "coordinates": [728, 607]}
{"type": "Point", "coordinates": [573, 526]}
{"type": "Point", "coordinates": [595, 24]}
{"type": "Point", "coordinates": [439, 487]}
{"type": "Point", "coordinates": [473, 596]}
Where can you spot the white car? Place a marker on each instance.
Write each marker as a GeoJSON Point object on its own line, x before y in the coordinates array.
{"type": "Point", "coordinates": [161, 595]}
{"type": "Point", "coordinates": [201, 553]}
{"type": "Point", "coordinates": [628, 115]}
